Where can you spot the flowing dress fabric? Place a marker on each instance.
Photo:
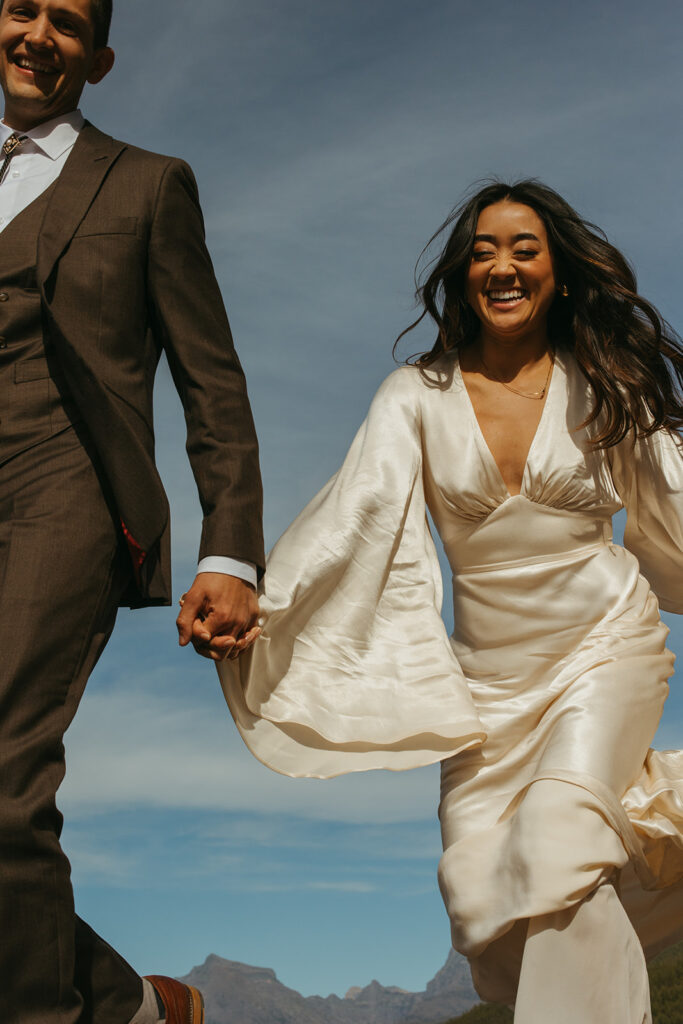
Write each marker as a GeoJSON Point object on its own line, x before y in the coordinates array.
{"type": "Point", "coordinates": [354, 669]}
{"type": "Point", "coordinates": [543, 706]}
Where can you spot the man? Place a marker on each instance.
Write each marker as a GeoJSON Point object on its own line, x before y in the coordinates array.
{"type": "Point", "coordinates": [102, 265]}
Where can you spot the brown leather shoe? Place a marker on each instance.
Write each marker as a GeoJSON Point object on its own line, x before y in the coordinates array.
{"type": "Point", "coordinates": [183, 1003]}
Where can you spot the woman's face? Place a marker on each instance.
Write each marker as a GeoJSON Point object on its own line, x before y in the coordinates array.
{"type": "Point", "coordinates": [510, 282]}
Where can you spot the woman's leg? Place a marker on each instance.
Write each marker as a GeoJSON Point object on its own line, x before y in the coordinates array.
{"type": "Point", "coordinates": [584, 964]}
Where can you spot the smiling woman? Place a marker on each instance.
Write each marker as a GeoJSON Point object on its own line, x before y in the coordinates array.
{"type": "Point", "coordinates": [581, 288]}
{"type": "Point", "coordinates": [550, 400]}
{"type": "Point", "coordinates": [510, 281]}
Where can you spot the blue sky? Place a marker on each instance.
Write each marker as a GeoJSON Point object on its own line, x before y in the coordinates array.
{"type": "Point", "coordinates": [329, 141]}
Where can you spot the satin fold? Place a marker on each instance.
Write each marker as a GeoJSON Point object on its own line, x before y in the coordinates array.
{"type": "Point", "coordinates": [354, 669]}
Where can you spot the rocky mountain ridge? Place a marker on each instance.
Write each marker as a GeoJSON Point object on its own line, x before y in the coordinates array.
{"type": "Point", "coordinates": [238, 993]}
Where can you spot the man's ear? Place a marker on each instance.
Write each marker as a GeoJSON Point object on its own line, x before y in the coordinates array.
{"type": "Point", "coordinates": [103, 62]}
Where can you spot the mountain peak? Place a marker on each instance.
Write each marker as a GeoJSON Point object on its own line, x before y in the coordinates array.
{"type": "Point", "coordinates": [237, 993]}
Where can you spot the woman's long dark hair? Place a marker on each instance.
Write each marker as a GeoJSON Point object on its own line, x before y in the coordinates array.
{"type": "Point", "coordinates": [632, 359]}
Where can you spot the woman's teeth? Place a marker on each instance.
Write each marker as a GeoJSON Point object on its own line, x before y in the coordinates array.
{"type": "Point", "coordinates": [508, 296]}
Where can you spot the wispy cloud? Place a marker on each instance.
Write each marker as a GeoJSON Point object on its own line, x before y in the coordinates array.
{"type": "Point", "coordinates": [97, 864]}
{"type": "Point", "coordinates": [133, 746]}
{"type": "Point", "coordinates": [327, 886]}
{"type": "Point", "coordinates": [217, 851]}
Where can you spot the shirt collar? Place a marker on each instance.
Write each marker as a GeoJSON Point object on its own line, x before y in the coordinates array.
{"type": "Point", "coordinates": [54, 137]}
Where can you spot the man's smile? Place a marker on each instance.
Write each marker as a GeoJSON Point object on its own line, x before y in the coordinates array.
{"type": "Point", "coordinates": [35, 66]}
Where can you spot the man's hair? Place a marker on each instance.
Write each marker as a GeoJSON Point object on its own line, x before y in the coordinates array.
{"type": "Point", "coordinates": [101, 20]}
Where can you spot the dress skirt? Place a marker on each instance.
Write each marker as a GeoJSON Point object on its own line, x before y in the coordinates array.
{"type": "Point", "coordinates": [565, 795]}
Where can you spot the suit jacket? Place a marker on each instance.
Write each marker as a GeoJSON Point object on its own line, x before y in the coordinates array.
{"type": "Point", "coordinates": [124, 272]}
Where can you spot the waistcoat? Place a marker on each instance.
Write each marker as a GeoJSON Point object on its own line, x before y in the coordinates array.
{"type": "Point", "coordinates": [34, 402]}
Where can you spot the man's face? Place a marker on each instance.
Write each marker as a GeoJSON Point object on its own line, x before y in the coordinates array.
{"type": "Point", "coordinates": [47, 54]}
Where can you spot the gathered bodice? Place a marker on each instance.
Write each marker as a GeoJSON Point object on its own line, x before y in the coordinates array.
{"type": "Point", "coordinates": [521, 531]}
{"type": "Point", "coordinates": [567, 497]}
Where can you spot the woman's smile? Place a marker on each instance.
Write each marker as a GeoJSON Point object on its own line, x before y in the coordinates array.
{"type": "Point", "coordinates": [510, 281]}
{"type": "Point", "coordinates": [506, 299]}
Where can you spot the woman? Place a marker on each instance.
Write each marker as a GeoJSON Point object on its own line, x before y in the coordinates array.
{"type": "Point", "coordinates": [550, 400]}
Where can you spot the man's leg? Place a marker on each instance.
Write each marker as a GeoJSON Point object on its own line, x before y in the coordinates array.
{"type": "Point", "coordinates": [584, 964]}
{"type": "Point", "coordinates": [61, 575]}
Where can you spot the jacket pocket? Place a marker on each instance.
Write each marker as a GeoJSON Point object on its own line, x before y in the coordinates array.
{"type": "Point", "coordinates": [31, 369]}
{"type": "Point", "coordinates": [107, 226]}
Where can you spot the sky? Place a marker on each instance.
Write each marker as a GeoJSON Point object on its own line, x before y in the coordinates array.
{"type": "Point", "coordinates": [330, 140]}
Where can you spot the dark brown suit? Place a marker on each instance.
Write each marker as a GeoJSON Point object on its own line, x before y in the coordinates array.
{"type": "Point", "coordinates": [132, 220]}
{"type": "Point", "coordinates": [121, 272]}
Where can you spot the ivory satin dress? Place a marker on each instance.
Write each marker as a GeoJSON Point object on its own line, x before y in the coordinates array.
{"type": "Point", "coordinates": [541, 706]}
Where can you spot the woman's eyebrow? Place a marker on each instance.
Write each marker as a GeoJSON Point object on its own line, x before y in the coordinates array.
{"type": "Point", "coordinates": [523, 235]}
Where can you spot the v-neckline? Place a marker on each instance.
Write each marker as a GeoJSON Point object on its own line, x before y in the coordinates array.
{"type": "Point", "coordinates": [483, 443]}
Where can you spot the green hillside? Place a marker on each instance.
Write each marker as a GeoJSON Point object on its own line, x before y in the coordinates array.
{"type": "Point", "coordinates": [666, 989]}
{"type": "Point", "coordinates": [666, 986]}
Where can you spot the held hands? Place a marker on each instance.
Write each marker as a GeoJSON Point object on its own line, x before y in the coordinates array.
{"type": "Point", "coordinates": [218, 616]}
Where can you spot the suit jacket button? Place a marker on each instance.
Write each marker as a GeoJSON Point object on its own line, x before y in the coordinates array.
{"type": "Point", "coordinates": [4, 296]}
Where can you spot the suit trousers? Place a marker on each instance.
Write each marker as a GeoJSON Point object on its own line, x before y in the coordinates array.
{"type": "Point", "coordinates": [62, 572]}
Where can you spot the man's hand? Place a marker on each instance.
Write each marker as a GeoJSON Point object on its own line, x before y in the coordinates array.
{"type": "Point", "coordinates": [218, 616]}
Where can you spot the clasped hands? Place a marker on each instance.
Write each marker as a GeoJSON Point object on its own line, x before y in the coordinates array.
{"type": "Point", "coordinates": [218, 616]}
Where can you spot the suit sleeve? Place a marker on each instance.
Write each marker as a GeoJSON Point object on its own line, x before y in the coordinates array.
{"type": "Point", "coordinates": [189, 319]}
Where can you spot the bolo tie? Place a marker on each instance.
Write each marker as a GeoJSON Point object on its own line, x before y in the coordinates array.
{"type": "Point", "coordinates": [9, 148]}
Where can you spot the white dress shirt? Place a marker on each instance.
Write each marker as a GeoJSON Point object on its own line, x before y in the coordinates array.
{"type": "Point", "coordinates": [37, 163]}
{"type": "Point", "coordinates": [34, 167]}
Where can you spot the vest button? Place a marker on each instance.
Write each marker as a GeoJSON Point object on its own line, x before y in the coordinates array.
{"type": "Point", "coordinates": [4, 296]}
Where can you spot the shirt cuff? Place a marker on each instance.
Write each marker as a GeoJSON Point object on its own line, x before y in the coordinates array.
{"type": "Point", "coordinates": [230, 567]}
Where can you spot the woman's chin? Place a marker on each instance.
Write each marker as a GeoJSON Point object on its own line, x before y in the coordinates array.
{"type": "Point", "coordinates": [507, 327]}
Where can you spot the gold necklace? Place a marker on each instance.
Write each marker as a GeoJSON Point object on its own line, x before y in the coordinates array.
{"type": "Point", "coordinates": [537, 396]}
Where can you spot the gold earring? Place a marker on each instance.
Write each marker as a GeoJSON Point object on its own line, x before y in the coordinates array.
{"type": "Point", "coordinates": [564, 291]}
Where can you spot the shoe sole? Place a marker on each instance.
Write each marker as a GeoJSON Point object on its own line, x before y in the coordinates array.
{"type": "Point", "coordinates": [196, 1005]}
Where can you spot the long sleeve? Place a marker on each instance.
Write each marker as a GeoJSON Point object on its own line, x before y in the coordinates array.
{"type": "Point", "coordinates": [191, 323]}
{"type": "Point", "coordinates": [354, 669]}
{"type": "Point", "coordinates": [649, 478]}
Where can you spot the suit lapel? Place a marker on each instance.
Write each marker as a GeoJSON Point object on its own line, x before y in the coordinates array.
{"type": "Point", "coordinates": [77, 185]}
